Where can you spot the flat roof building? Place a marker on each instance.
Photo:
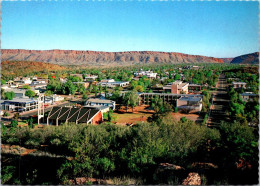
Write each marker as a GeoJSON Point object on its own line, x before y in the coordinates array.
{"type": "Point", "coordinates": [19, 104]}
{"type": "Point", "coordinates": [101, 102]}
{"type": "Point", "coordinates": [59, 115]}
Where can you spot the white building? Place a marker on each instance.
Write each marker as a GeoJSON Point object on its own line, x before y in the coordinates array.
{"type": "Point", "coordinates": [107, 81]}
{"type": "Point", "coordinates": [148, 73]}
{"type": "Point", "coordinates": [239, 84]}
{"type": "Point", "coordinates": [190, 103]}
{"type": "Point", "coordinates": [23, 80]}
{"type": "Point", "coordinates": [52, 99]}
{"type": "Point", "coordinates": [112, 84]}
{"type": "Point", "coordinates": [101, 102]}
{"type": "Point", "coordinates": [90, 77]}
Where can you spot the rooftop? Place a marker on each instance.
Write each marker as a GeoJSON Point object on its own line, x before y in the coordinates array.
{"type": "Point", "coordinates": [190, 98]}
{"type": "Point", "coordinates": [70, 114]}
{"type": "Point", "coordinates": [100, 100]}
{"type": "Point", "coordinates": [21, 100]}
{"type": "Point", "coordinates": [239, 83]}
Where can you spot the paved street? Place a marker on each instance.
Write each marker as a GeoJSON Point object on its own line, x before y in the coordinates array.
{"type": "Point", "coordinates": [219, 103]}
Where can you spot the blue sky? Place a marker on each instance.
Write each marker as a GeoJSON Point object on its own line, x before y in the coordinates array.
{"type": "Point", "coordinates": [218, 29]}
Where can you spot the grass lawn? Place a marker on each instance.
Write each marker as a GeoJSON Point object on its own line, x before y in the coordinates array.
{"type": "Point", "coordinates": [130, 117]}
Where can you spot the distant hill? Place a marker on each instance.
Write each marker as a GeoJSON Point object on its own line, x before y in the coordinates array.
{"type": "Point", "coordinates": [227, 60]}
{"type": "Point", "coordinates": [252, 59]}
{"type": "Point", "coordinates": [95, 58]}
{"type": "Point", "coordinates": [17, 68]}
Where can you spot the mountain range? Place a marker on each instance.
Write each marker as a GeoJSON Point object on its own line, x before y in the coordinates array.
{"type": "Point", "coordinates": [97, 58]}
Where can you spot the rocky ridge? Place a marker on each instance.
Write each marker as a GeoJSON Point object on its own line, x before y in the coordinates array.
{"type": "Point", "coordinates": [76, 57]}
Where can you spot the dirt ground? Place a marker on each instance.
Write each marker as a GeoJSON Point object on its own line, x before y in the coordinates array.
{"type": "Point", "coordinates": [141, 113]}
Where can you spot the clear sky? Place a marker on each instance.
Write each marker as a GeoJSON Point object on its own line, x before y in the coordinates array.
{"type": "Point", "coordinates": [218, 29]}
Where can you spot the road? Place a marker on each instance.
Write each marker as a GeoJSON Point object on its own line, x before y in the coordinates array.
{"type": "Point", "coordinates": [219, 104]}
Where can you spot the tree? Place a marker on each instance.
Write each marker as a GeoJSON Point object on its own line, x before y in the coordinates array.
{"type": "Point", "coordinates": [69, 88]}
{"type": "Point", "coordinates": [109, 115]}
{"type": "Point", "coordinates": [3, 82]}
{"type": "Point", "coordinates": [177, 77]}
{"type": "Point", "coordinates": [85, 96]}
{"type": "Point", "coordinates": [26, 87]}
{"type": "Point", "coordinates": [139, 88]}
{"type": "Point", "coordinates": [9, 95]}
{"type": "Point", "coordinates": [54, 85]}
{"type": "Point", "coordinates": [48, 93]}
{"type": "Point", "coordinates": [14, 124]}
{"type": "Point", "coordinates": [6, 114]}
{"type": "Point", "coordinates": [3, 94]}
{"type": "Point", "coordinates": [75, 79]}
{"type": "Point", "coordinates": [30, 93]}
{"type": "Point", "coordinates": [30, 123]}
{"type": "Point", "coordinates": [183, 119]}
{"type": "Point", "coordinates": [131, 99]}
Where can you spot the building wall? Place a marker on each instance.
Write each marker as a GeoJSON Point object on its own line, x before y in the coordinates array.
{"type": "Point", "coordinates": [98, 118]}
{"type": "Point", "coordinates": [174, 89]}
{"type": "Point", "coordinates": [185, 89]}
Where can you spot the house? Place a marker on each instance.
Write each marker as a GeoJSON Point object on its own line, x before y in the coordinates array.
{"type": "Point", "coordinates": [107, 81]}
{"type": "Point", "coordinates": [238, 85]}
{"type": "Point", "coordinates": [176, 87]}
{"type": "Point", "coordinates": [101, 102]}
{"type": "Point", "coordinates": [38, 84]}
{"type": "Point", "coordinates": [12, 84]}
{"type": "Point", "coordinates": [148, 74]}
{"type": "Point", "coordinates": [190, 103]}
{"type": "Point", "coordinates": [90, 77]}
{"type": "Point", "coordinates": [23, 80]}
{"type": "Point", "coordinates": [112, 84]}
{"type": "Point", "coordinates": [77, 75]}
{"type": "Point", "coordinates": [59, 115]}
{"type": "Point", "coordinates": [63, 80]}
{"type": "Point", "coordinates": [52, 99]}
{"type": "Point", "coordinates": [5, 86]}
{"type": "Point", "coordinates": [249, 96]}
{"type": "Point", "coordinates": [20, 93]}
{"type": "Point", "coordinates": [19, 104]}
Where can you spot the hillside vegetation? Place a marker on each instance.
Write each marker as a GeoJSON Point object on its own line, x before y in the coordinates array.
{"type": "Point", "coordinates": [20, 68]}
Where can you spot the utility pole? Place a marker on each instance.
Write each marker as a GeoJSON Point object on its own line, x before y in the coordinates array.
{"type": "Point", "coordinates": [40, 107]}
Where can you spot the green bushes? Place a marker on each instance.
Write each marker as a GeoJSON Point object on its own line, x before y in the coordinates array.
{"type": "Point", "coordinates": [105, 151]}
